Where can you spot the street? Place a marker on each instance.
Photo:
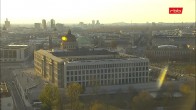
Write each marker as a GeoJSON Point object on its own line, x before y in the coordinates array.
{"type": "Point", "coordinates": [19, 104]}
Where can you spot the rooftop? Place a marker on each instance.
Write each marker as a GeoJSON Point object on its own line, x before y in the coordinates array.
{"type": "Point", "coordinates": [82, 53]}
{"type": "Point", "coordinates": [13, 46]}
{"type": "Point", "coordinates": [108, 60]}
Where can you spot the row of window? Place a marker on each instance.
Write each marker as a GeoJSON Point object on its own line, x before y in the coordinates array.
{"type": "Point", "coordinates": [162, 53]}
{"type": "Point", "coordinates": [112, 82]}
{"type": "Point", "coordinates": [111, 70]}
{"type": "Point", "coordinates": [106, 65]}
{"type": "Point", "coordinates": [106, 76]}
{"type": "Point", "coordinates": [8, 54]}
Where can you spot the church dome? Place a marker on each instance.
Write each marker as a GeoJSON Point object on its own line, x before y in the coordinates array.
{"type": "Point", "coordinates": [69, 37]}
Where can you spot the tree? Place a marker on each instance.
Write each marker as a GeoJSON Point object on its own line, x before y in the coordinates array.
{"type": "Point", "coordinates": [143, 101]}
{"type": "Point", "coordinates": [50, 97]}
{"type": "Point", "coordinates": [98, 106]}
{"type": "Point", "coordinates": [73, 92]}
{"type": "Point", "coordinates": [185, 89]}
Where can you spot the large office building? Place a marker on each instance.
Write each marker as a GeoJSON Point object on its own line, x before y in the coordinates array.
{"type": "Point", "coordinates": [89, 66]}
{"type": "Point", "coordinates": [14, 53]}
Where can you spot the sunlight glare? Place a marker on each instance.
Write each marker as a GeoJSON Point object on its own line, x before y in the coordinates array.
{"type": "Point", "coordinates": [162, 77]}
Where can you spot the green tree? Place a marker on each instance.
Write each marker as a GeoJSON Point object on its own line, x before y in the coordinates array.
{"type": "Point", "coordinates": [73, 92]}
{"type": "Point", "coordinates": [143, 101]}
{"type": "Point", "coordinates": [50, 97]}
{"type": "Point", "coordinates": [98, 106]}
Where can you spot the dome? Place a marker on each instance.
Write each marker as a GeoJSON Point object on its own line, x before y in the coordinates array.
{"type": "Point", "coordinates": [70, 37]}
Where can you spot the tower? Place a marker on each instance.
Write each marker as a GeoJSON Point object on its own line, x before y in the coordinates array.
{"type": "Point", "coordinates": [93, 22]}
{"type": "Point", "coordinates": [52, 23]}
{"type": "Point", "coordinates": [97, 23]}
{"type": "Point", "coordinates": [44, 24]}
{"type": "Point", "coordinates": [7, 24]}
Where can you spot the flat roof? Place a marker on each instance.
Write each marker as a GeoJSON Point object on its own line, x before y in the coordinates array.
{"type": "Point", "coordinates": [48, 54]}
{"type": "Point", "coordinates": [108, 60]}
{"type": "Point", "coordinates": [83, 53]}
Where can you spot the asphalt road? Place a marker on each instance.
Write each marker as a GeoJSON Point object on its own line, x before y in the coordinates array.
{"type": "Point", "coordinates": [8, 76]}
{"type": "Point", "coordinates": [19, 104]}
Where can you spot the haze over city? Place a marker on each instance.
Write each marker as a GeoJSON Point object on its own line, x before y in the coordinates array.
{"type": "Point", "coordinates": [110, 11]}
{"type": "Point", "coordinates": [97, 55]}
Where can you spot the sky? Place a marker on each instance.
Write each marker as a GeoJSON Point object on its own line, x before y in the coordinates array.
{"type": "Point", "coordinates": [106, 11]}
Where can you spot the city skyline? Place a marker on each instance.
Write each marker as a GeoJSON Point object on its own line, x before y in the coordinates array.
{"type": "Point", "coordinates": [110, 11]}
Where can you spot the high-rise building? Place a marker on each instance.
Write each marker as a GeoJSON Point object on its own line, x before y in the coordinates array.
{"type": "Point", "coordinates": [52, 23]}
{"type": "Point", "coordinates": [7, 24]}
{"type": "Point", "coordinates": [97, 23]}
{"type": "Point", "coordinates": [44, 24]}
{"type": "Point", "coordinates": [93, 22]}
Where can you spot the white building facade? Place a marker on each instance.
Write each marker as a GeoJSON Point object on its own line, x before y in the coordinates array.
{"type": "Point", "coordinates": [107, 72]}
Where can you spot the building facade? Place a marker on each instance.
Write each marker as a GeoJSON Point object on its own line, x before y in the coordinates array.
{"type": "Point", "coordinates": [14, 53]}
{"type": "Point", "coordinates": [170, 53]}
{"type": "Point", "coordinates": [87, 68]}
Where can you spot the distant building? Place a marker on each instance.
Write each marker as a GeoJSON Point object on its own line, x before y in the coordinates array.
{"type": "Point", "coordinates": [170, 53]}
{"type": "Point", "coordinates": [173, 40]}
{"type": "Point", "coordinates": [60, 27]}
{"type": "Point", "coordinates": [97, 23]}
{"type": "Point", "coordinates": [37, 26]}
{"type": "Point", "coordinates": [90, 67]}
{"type": "Point", "coordinates": [7, 24]}
{"type": "Point", "coordinates": [52, 23]}
{"type": "Point", "coordinates": [93, 22]}
{"type": "Point", "coordinates": [14, 53]}
{"type": "Point", "coordinates": [6, 101]}
{"type": "Point", "coordinates": [44, 24]}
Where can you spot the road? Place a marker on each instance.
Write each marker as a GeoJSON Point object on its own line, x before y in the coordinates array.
{"type": "Point", "coordinates": [19, 104]}
{"type": "Point", "coordinates": [8, 77]}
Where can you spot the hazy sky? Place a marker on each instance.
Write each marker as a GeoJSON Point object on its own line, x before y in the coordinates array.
{"type": "Point", "coordinates": [106, 11]}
